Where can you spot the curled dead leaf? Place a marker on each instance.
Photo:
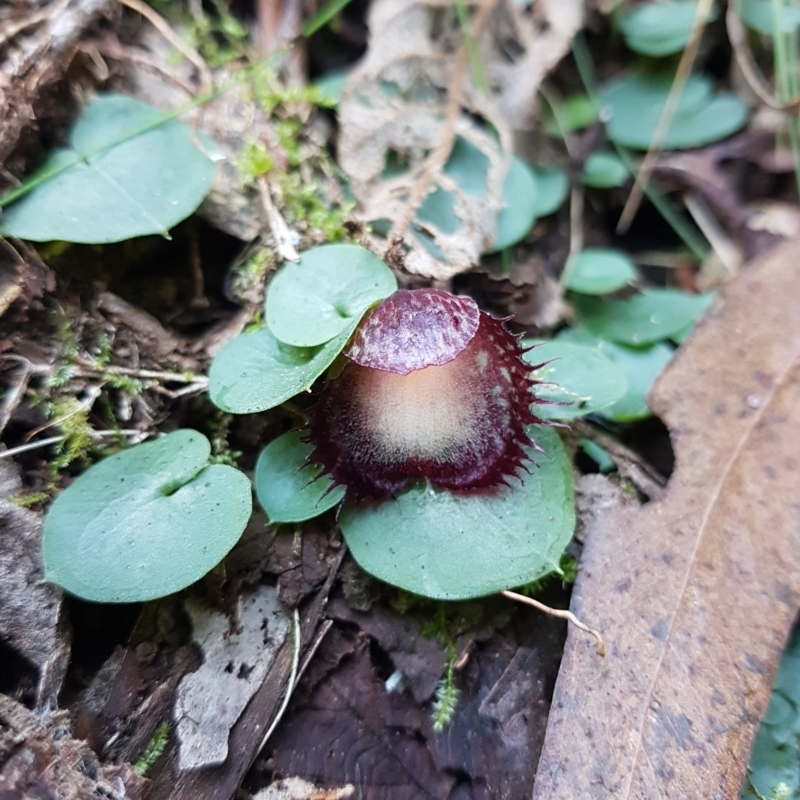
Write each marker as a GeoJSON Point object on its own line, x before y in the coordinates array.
{"type": "Point", "coordinates": [416, 97]}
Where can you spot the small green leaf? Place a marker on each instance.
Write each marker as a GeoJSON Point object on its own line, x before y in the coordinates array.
{"type": "Point", "coordinates": [289, 489]}
{"type": "Point", "coordinates": [520, 202]}
{"type": "Point", "coordinates": [323, 16]}
{"type": "Point", "coordinates": [255, 371]}
{"type": "Point", "coordinates": [552, 187]}
{"type": "Point", "coordinates": [130, 170]}
{"type": "Point", "coordinates": [574, 113]}
{"type": "Point", "coordinates": [633, 104]}
{"type": "Point", "coordinates": [599, 455]}
{"type": "Point", "coordinates": [774, 763]}
{"type": "Point", "coordinates": [145, 522]}
{"type": "Point", "coordinates": [331, 85]}
{"type": "Point", "coordinates": [310, 302]}
{"type": "Point", "coordinates": [648, 317]}
{"type": "Point", "coordinates": [604, 171]}
{"type": "Point", "coordinates": [453, 546]}
{"type": "Point", "coordinates": [758, 15]}
{"type": "Point", "coordinates": [641, 365]}
{"type": "Point", "coordinates": [468, 166]}
{"type": "Point", "coordinates": [582, 375]}
{"type": "Point", "coordinates": [679, 337]}
{"type": "Point", "coordinates": [660, 29]}
{"type": "Point", "coordinates": [598, 270]}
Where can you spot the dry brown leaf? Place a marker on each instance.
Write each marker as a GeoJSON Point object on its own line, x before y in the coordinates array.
{"type": "Point", "coordinates": [414, 96]}
{"type": "Point", "coordinates": [695, 595]}
{"type": "Point", "coordinates": [210, 700]}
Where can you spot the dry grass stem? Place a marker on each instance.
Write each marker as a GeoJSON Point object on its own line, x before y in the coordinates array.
{"type": "Point", "coordinates": [163, 27]}
{"type": "Point", "coordinates": [688, 56]}
{"type": "Point", "coordinates": [737, 36]}
{"type": "Point", "coordinates": [561, 614]}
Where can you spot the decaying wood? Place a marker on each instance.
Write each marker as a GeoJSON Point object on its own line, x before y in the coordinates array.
{"type": "Point", "coordinates": [695, 594]}
{"type": "Point", "coordinates": [39, 758]}
{"type": "Point", "coordinates": [40, 53]}
{"type": "Point", "coordinates": [32, 619]}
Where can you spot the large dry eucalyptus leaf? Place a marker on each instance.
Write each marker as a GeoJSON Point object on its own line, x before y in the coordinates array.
{"type": "Point", "coordinates": [696, 594]}
{"type": "Point", "coordinates": [415, 96]}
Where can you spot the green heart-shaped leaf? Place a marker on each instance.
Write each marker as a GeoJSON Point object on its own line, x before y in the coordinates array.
{"type": "Point", "coordinates": [130, 170]}
{"type": "Point", "coordinates": [641, 365]}
{"type": "Point", "coordinates": [582, 376]}
{"type": "Point", "coordinates": [289, 489]}
{"type": "Point", "coordinates": [254, 371]}
{"type": "Point", "coordinates": [453, 546]}
{"type": "Point", "coordinates": [651, 316]}
{"type": "Point", "coordinates": [145, 522]}
{"type": "Point", "coordinates": [598, 270]}
{"type": "Point", "coordinates": [552, 187]}
{"type": "Point", "coordinates": [760, 16]}
{"type": "Point", "coordinates": [633, 105]}
{"type": "Point", "coordinates": [311, 302]}
{"type": "Point", "coordinates": [604, 171]}
{"type": "Point", "coordinates": [519, 205]}
{"type": "Point", "coordinates": [660, 29]}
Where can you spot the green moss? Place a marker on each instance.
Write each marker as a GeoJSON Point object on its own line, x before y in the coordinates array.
{"type": "Point", "coordinates": [568, 571]}
{"type": "Point", "coordinates": [219, 36]}
{"type": "Point", "coordinates": [273, 96]}
{"type": "Point", "coordinates": [32, 499]}
{"type": "Point", "coordinates": [302, 172]}
{"type": "Point", "coordinates": [304, 208]}
{"type": "Point", "coordinates": [72, 417]}
{"type": "Point", "coordinates": [253, 162]}
{"type": "Point", "coordinates": [154, 749]}
{"type": "Point", "coordinates": [444, 706]}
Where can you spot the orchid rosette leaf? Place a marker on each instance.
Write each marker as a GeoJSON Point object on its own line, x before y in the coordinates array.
{"type": "Point", "coordinates": [425, 422]}
{"type": "Point", "coordinates": [312, 310]}
{"type": "Point", "coordinates": [457, 545]}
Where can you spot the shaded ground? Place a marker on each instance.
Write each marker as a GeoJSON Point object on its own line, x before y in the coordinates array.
{"type": "Point", "coordinates": [103, 345]}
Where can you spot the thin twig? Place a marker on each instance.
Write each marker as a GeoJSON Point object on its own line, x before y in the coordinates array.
{"type": "Point", "coordinates": [576, 195]}
{"type": "Point", "coordinates": [86, 370]}
{"type": "Point", "coordinates": [667, 113]}
{"type": "Point", "coordinates": [93, 392]}
{"type": "Point", "coordinates": [23, 448]}
{"type": "Point", "coordinates": [727, 252]}
{"type": "Point", "coordinates": [434, 164]}
{"type": "Point", "coordinates": [13, 396]}
{"type": "Point", "coordinates": [646, 478]}
{"type": "Point", "coordinates": [277, 224]}
{"type": "Point", "coordinates": [747, 64]}
{"type": "Point", "coordinates": [111, 48]}
{"type": "Point", "coordinates": [561, 614]}
{"type": "Point", "coordinates": [292, 682]}
{"type": "Point", "coordinates": [148, 374]}
{"type": "Point", "coordinates": [314, 646]}
{"type": "Point", "coordinates": [163, 27]}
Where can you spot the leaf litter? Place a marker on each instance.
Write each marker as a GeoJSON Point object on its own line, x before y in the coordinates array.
{"type": "Point", "coordinates": [505, 679]}
{"type": "Point", "coordinates": [695, 594]}
{"type": "Point", "coordinates": [416, 95]}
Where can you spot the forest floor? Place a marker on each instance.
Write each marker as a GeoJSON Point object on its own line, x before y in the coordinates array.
{"type": "Point", "coordinates": [656, 224]}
